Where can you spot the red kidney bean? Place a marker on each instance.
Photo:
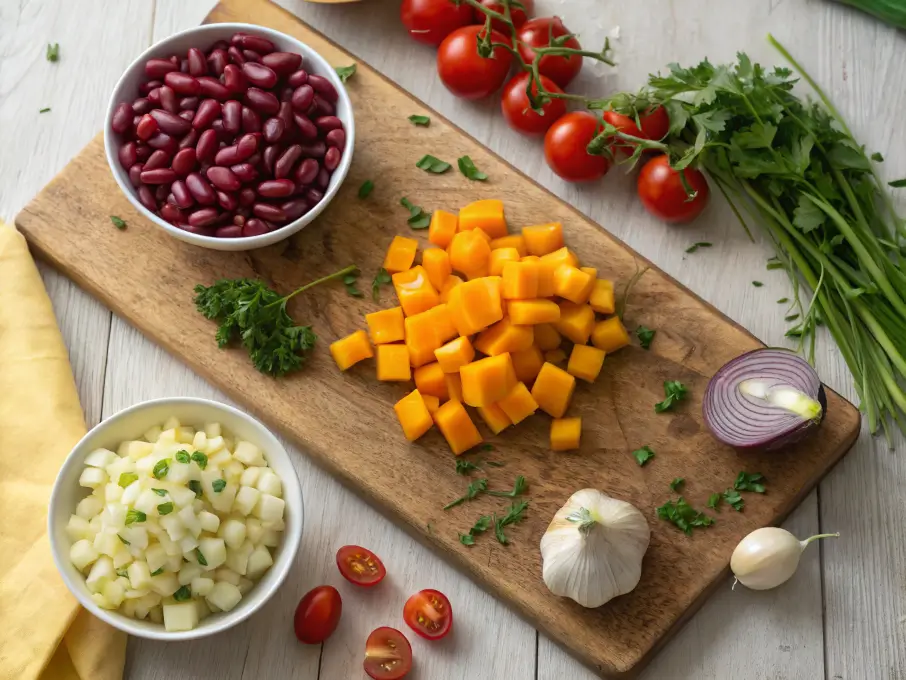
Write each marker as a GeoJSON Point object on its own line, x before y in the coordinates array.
{"type": "Point", "coordinates": [270, 156]}
{"type": "Point", "coordinates": [235, 55]}
{"type": "Point", "coordinates": [161, 192]}
{"type": "Point", "coordinates": [201, 191]}
{"type": "Point", "coordinates": [218, 60]}
{"type": "Point", "coordinates": [145, 88]}
{"type": "Point", "coordinates": [266, 211]}
{"type": "Point", "coordinates": [184, 162]}
{"type": "Point", "coordinates": [254, 227]}
{"type": "Point", "coordinates": [284, 164]}
{"type": "Point", "coordinates": [198, 65]}
{"type": "Point", "coordinates": [122, 118]}
{"type": "Point", "coordinates": [190, 140]}
{"type": "Point", "coordinates": [171, 213]}
{"type": "Point", "coordinates": [222, 135]}
{"type": "Point", "coordinates": [286, 94]}
{"type": "Point", "coordinates": [147, 127]}
{"type": "Point", "coordinates": [303, 96]}
{"type": "Point", "coordinates": [307, 171]}
{"type": "Point", "coordinates": [244, 171]}
{"type": "Point", "coordinates": [323, 180]}
{"type": "Point", "coordinates": [158, 176]}
{"type": "Point", "coordinates": [135, 174]}
{"type": "Point", "coordinates": [295, 208]}
{"type": "Point", "coordinates": [158, 68]}
{"type": "Point", "coordinates": [174, 59]}
{"type": "Point", "coordinates": [141, 106]}
{"type": "Point", "coordinates": [232, 116]}
{"type": "Point", "coordinates": [165, 142]}
{"type": "Point", "coordinates": [204, 217]}
{"type": "Point", "coordinates": [169, 123]}
{"type": "Point", "coordinates": [189, 103]}
{"type": "Point", "coordinates": [247, 145]}
{"type": "Point", "coordinates": [229, 231]}
{"type": "Point", "coordinates": [282, 63]}
{"type": "Point", "coordinates": [236, 38]}
{"type": "Point", "coordinates": [168, 99]}
{"type": "Point", "coordinates": [251, 56]}
{"type": "Point", "coordinates": [328, 123]}
{"type": "Point", "coordinates": [320, 107]}
{"type": "Point", "coordinates": [201, 231]}
{"type": "Point", "coordinates": [251, 121]}
{"type": "Point", "coordinates": [262, 101]}
{"type": "Point", "coordinates": [154, 96]}
{"type": "Point", "coordinates": [158, 159]}
{"type": "Point", "coordinates": [257, 43]}
{"type": "Point", "coordinates": [307, 129]}
{"type": "Point", "coordinates": [187, 115]}
{"type": "Point", "coordinates": [184, 66]}
{"type": "Point", "coordinates": [223, 178]}
{"type": "Point", "coordinates": [233, 79]}
{"type": "Point", "coordinates": [276, 188]}
{"type": "Point", "coordinates": [182, 83]}
{"type": "Point", "coordinates": [220, 45]}
{"type": "Point", "coordinates": [336, 138]}
{"type": "Point", "coordinates": [228, 155]}
{"type": "Point", "coordinates": [259, 75]}
{"type": "Point", "coordinates": [324, 88]}
{"type": "Point", "coordinates": [212, 88]}
{"type": "Point", "coordinates": [286, 115]}
{"type": "Point", "coordinates": [208, 111]}
{"type": "Point", "coordinates": [313, 196]}
{"type": "Point", "coordinates": [206, 148]}
{"type": "Point", "coordinates": [332, 159]}
{"type": "Point", "coordinates": [315, 149]}
{"type": "Point", "coordinates": [146, 198]}
{"type": "Point", "coordinates": [182, 197]}
{"type": "Point", "coordinates": [227, 200]}
{"type": "Point", "coordinates": [298, 78]}
{"type": "Point", "coordinates": [254, 160]}
{"type": "Point", "coordinates": [143, 152]}
{"type": "Point", "coordinates": [239, 219]}
{"type": "Point", "coordinates": [247, 196]}
{"type": "Point", "coordinates": [273, 130]}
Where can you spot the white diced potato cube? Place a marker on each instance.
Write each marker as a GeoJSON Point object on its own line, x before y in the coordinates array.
{"type": "Point", "coordinates": [92, 477]}
{"type": "Point", "coordinates": [95, 523]}
{"type": "Point", "coordinates": [249, 454]}
{"type": "Point", "coordinates": [174, 527]}
{"type": "Point", "coordinates": [148, 501]}
{"type": "Point", "coordinates": [171, 547]}
{"type": "Point", "coordinates": [259, 561]}
{"type": "Point", "coordinates": [156, 614]}
{"type": "Point", "coordinates": [120, 466]}
{"type": "Point", "coordinates": [100, 601]}
{"type": "Point", "coordinates": [269, 509]}
{"type": "Point", "coordinates": [164, 584]}
{"type": "Point", "coordinates": [200, 441]}
{"type": "Point", "coordinates": [233, 532]}
{"type": "Point", "coordinates": [174, 563]}
{"type": "Point", "coordinates": [237, 560]}
{"type": "Point", "coordinates": [79, 529]}
{"type": "Point", "coordinates": [89, 506]}
{"type": "Point", "coordinates": [107, 544]}
{"type": "Point", "coordinates": [203, 610]}
{"type": "Point", "coordinates": [219, 459]}
{"type": "Point", "coordinates": [128, 608]}
{"type": "Point", "coordinates": [213, 607]}
{"type": "Point", "coordinates": [228, 443]}
{"type": "Point", "coordinates": [101, 572]}
{"type": "Point", "coordinates": [180, 616]}
{"type": "Point", "coordinates": [145, 466]}
{"type": "Point", "coordinates": [246, 499]}
{"type": "Point", "coordinates": [197, 506]}
{"type": "Point", "coordinates": [82, 553]}
{"type": "Point", "coordinates": [214, 552]}
{"type": "Point", "coordinates": [201, 586]}
{"type": "Point", "coordinates": [145, 604]}
{"type": "Point", "coordinates": [112, 492]}
{"type": "Point", "coordinates": [171, 423]}
{"type": "Point", "coordinates": [139, 575]}
{"type": "Point", "coordinates": [136, 535]}
{"type": "Point", "coordinates": [100, 458]}
{"type": "Point", "coordinates": [245, 585]}
{"type": "Point", "coordinates": [181, 495]}
{"type": "Point", "coordinates": [250, 476]}
{"type": "Point", "coordinates": [188, 572]}
{"type": "Point", "coordinates": [277, 525]}
{"type": "Point", "coordinates": [209, 521]}
{"type": "Point", "coordinates": [137, 449]}
{"type": "Point", "coordinates": [179, 473]}
{"type": "Point", "coordinates": [227, 575]}
{"type": "Point", "coordinates": [253, 530]}
{"type": "Point", "coordinates": [114, 593]}
{"type": "Point", "coordinates": [212, 430]}
{"type": "Point", "coordinates": [269, 483]}
{"type": "Point", "coordinates": [131, 493]}
{"type": "Point", "coordinates": [232, 471]}
{"type": "Point", "coordinates": [155, 557]}
{"type": "Point", "coordinates": [136, 594]}
{"type": "Point", "coordinates": [190, 520]}
{"type": "Point", "coordinates": [188, 543]}
{"type": "Point", "coordinates": [270, 538]}
{"type": "Point", "coordinates": [224, 596]}
{"type": "Point", "coordinates": [123, 556]}
{"type": "Point", "coordinates": [223, 501]}
{"type": "Point", "coordinates": [185, 435]}
{"type": "Point", "coordinates": [152, 434]}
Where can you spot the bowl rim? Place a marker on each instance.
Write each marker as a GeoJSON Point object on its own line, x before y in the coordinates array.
{"type": "Point", "coordinates": [243, 242]}
{"type": "Point", "coordinates": [281, 566]}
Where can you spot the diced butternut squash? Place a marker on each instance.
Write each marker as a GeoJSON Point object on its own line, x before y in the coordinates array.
{"type": "Point", "coordinates": [494, 418]}
{"type": "Point", "coordinates": [543, 238]}
{"type": "Point", "coordinates": [429, 379]}
{"type": "Point", "coordinates": [454, 386]}
{"type": "Point", "coordinates": [475, 305]}
{"type": "Point", "coordinates": [503, 337]}
{"type": "Point", "coordinates": [576, 322]}
{"type": "Point", "coordinates": [555, 356]}
{"type": "Point", "coordinates": [422, 337]}
{"type": "Point", "coordinates": [601, 298]}
{"type": "Point", "coordinates": [610, 335]}
{"type": "Point", "coordinates": [433, 403]}
{"type": "Point", "coordinates": [400, 254]}
{"type": "Point", "coordinates": [414, 290]}
{"type": "Point", "coordinates": [393, 363]}
{"type": "Point", "coordinates": [442, 319]}
{"type": "Point", "coordinates": [553, 390]}
{"type": "Point", "coordinates": [413, 415]}
{"type": "Point", "coordinates": [566, 433]}
{"type": "Point", "coordinates": [442, 228]}
{"type": "Point", "coordinates": [387, 325]}
{"type": "Point", "coordinates": [486, 215]}
{"type": "Point", "coordinates": [584, 362]}
{"type": "Point", "coordinates": [520, 280]}
{"type": "Point", "coordinates": [470, 254]}
{"type": "Point", "coordinates": [546, 337]}
{"type": "Point", "coordinates": [484, 235]}
{"type": "Point", "coordinates": [351, 349]}
{"type": "Point", "coordinates": [451, 283]}
{"type": "Point", "coordinates": [572, 284]}
{"type": "Point", "coordinates": [456, 427]}
{"type": "Point", "coordinates": [560, 256]}
{"type": "Point", "coordinates": [512, 241]}
{"type": "Point", "coordinates": [499, 257]}
{"type": "Point", "coordinates": [519, 404]}
{"type": "Point", "coordinates": [455, 354]}
{"type": "Point", "coordinates": [591, 271]}
{"type": "Point", "coordinates": [527, 364]}
{"type": "Point", "coordinates": [436, 262]}
{"type": "Point", "coordinates": [488, 380]}
{"type": "Point", "coordinates": [532, 312]}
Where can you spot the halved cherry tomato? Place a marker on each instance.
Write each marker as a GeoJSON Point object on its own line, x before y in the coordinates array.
{"type": "Point", "coordinates": [564, 148]}
{"type": "Point", "coordinates": [520, 11]}
{"type": "Point", "coordinates": [518, 112]}
{"type": "Point", "coordinates": [429, 614]}
{"type": "Point", "coordinates": [317, 615]}
{"type": "Point", "coordinates": [537, 33]}
{"type": "Point", "coordinates": [466, 73]}
{"type": "Point", "coordinates": [663, 195]}
{"type": "Point", "coordinates": [360, 566]}
{"type": "Point", "coordinates": [430, 21]}
{"type": "Point", "coordinates": [388, 654]}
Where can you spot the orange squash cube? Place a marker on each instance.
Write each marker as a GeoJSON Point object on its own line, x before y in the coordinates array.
{"type": "Point", "coordinates": [451, 283]}
{"type": "Point", "coordinates": [527, 364]}
{"type": "Point", "coordinates": [429, 379]}
{"type": "Point", "coordinates": [437, 263]}
{"type": "Point", "coordinates": [442, 319]}
{"type": "Point", "coordinates": [532, 312]}
{"type": "Point", "coordinates": [585, 362]}
{"type": "Point", "coordinates": [393, 363]}
{"type": "Point", "coordinates": [486, 215]}
{"type": "Point", "coordinates": [610, 335]}
{"type": "Point", "coordinates": [520, 280]}
{"type": "Point", "coordinates": [400, 254]}
{"type": "Point", "coordinates": [470, 254]}
{"type": "Point", "coordinates": [413, 415]}
{"type": "Point", "coordinates": [442, 228]}
{"type": "Point", "coordinates": [553, 390]}
{"type": "Point", "coordinates": [572, 284]}
{"type": "Point", "coordinates": [591, 271]}
{"type": "Point", "coordinates": [601, 298]}
{"type": "Point", "coordinates": [475, 305]}
{"type": "Point", "coordinates": [560, 256]}
{"type": "Point", "coordinates": [519, 404]}
{"type": "Point", "coordinates": [566, 433]}
{"type": "Point", "coordinates": [546, 337]}
{"type": "Point", "coordinates": [504, 337]}
{"type": "Point", "coordinates": [456, 427]}
{"type": "Point", "coordinates": [455, 354]}
{"type": "Point", "coordinates": [499, 257]}
{"type": "Point", "coordinates": [543, 238]}
{"type": "Point", "coordinates": [351, 349]}
{"type": "Point", "coordinates": [414, 290]}
{"type": "Point", "coordinates": [454, 386]}
{"type": "Point", "coordinates": [422, 337]}
{"type": "Point", "coordinates": [576, 322]}
{"type": "Point", "coordinates": [555, 356]}
{"type": "Point", "coordinates": [387, 325]}
{"type": "Point", "coordinates": [487, 381]}
{"type": "Point", "coordinates": [433, 403]}
{"type": "Point", "coordinates": [512, 241]}
{"type": "Point", "coordinates": [494, 418]}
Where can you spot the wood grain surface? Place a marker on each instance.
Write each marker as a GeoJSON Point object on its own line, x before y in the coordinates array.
{"type": "Point", "coordinates": [345, 422]}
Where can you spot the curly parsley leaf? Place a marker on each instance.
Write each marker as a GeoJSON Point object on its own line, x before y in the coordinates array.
{"type": "Point", "coordinates": [683, 516]}
{"type": "Point", "coordinates": [645, 335]}
{"type": "Point", "coordinates": [733, 498]}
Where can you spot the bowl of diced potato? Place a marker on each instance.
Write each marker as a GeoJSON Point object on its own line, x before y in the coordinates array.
{"type": "Point", "coordinates": [176, 518]}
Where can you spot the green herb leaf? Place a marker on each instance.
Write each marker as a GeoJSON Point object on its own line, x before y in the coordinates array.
{"type": "Point", "coordinates": [126, 478]}
{"type": "Point", "coordinates": [349, 281]}
{"type": "Point", "coordinates": [184, 593]}
{"type": "Point", "coordinates": [467, 168]}
{"type": "Point", "coordinates": [783, 301]}
{"type": "Point", "coordinates": [463, 467]}
{"type": "Point", "coordinates": [734, 499]}
{"type": "Point", "coordinates": [643, 455]}
{"type": "Point", "coordinates": [366, 188]}
{"type": "Point", "coordinates": [645, 335]}
{"type": "Point", "coordinates": [493, 463]}
{"type": "Point", "coordinates": [791, 317]}
{"type": "Point", "coordinates": [898, 183]}
{"type": "Point", "coordinates": [775, 265]}
{"type": "Point", "coordinates": [430, 528]}
{"type": "Point", "coordinates": [677, 484]}
{"type": "Point", "coordinates": [696, 246]}
{"type": "Point", "coordinates": [200, 557]}
{"type": "Point", "coordinates": [418, 218]}
{"type": "Point", "coordinates": [674, 391]}
{"type": "Point", "coordinates": [53, 52]}
{"type": "Point", "coordinates": [423, 121]}
{"type": "Point", "coordinates": [200, 459]}
{"type": "Point", "coordinates": [382, 278]}
{"type": "Point", "coordinates": [134, 516]}
{"type": "Point", "coordinates": [714, 501]}
{"type": "Point", "coordinates": [118, 222]}
{"type": "Point", "coordinates": [182, 456]}
{"type": "Point", "coordinates": [877, 157]}
{"type": "Point", "coordinates": [683, 516]}
{"type": "Point", "coordinates": [513, 515]}
{"type": "Point", "coordinates": [195, 486]}
{"type": "Point", "coordinates": [123, 540]}
{"type": "Point", "coordinates": [160, 492]}
{"type": "Point", "coordinates": [164, 509]}
{"type": "Point", "coordinates": [218, 485]}
{"type": "Point", "coordinates": [157, 572]}
{"type": "Point", "coordinates": [430, 163]}
{"type": "Point", "coordinates": [345, 72]}
{"type": "Point", "coordinates": [475, 488]}
{"type": "Point", "coordinates": [519, 488]}
{"type": "Point", "coordinates": [44, 110]}
{"type": "Point", "coordinates": [807, 216]}
{"type": "Point", "coordinates": [161, 469]}
{"type": "Point", "coordinates": [466, 539]}
{"type": "Point", "coordinates": [757, 284]}
{"type": "Point", "coordinates": [482, 525]}
{"type": "Point", "coordinates": [749, 482]}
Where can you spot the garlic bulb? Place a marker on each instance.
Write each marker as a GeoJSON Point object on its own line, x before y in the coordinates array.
{"type": "Point", "coordinates": [768, 557]}
{"type": "Point", "coordinates": [592, 551]}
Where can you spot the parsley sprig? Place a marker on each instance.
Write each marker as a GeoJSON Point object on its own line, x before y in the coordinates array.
{"type": "Point", "coordinates": [645, 335]}
{"type": "Point", "coordinates": [643, 455]}
{"type": "Point", "coordinates": [519, 488]}
{"type": "Point", "coordinates": [674, 391]}
{"type": "Point", "coordinates": [683, 516]}
{"type": "Point", "coordinates": [513, 515]}
{"type": "Point", "coordinates": [474, 488]}
{"type": "Point", "coordinates": [418, 218]}
{"type": "Point", "coordinates": [382, 278]}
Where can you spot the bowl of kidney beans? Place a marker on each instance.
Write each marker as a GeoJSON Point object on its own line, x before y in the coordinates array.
{"type": "Point", "coordinates": [230, 136]}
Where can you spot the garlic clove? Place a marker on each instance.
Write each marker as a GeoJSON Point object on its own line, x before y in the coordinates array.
{"type": "Point", "coordinates": [768, 557]}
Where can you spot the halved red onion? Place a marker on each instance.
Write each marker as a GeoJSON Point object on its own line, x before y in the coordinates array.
{"type": "Point", "coordinates": [764, 399]}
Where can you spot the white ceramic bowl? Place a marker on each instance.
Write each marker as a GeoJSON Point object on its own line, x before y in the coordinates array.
{"type": "Point", "coordinates": [130, 424]}
{"type": "Point", "coordinates": [126, 90]}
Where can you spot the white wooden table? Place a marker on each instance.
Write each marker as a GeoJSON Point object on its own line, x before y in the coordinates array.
{"type": "Point", "coordinates": [842, 617]}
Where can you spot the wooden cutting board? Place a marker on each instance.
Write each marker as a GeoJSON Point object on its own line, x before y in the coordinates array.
{"type": "Point", "coordinates": [346, 422]}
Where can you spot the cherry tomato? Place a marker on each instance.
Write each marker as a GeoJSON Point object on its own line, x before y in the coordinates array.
{"type": "Point", "coordinates": [429, 614]}
{"type": "Point", "coordinates": [663, 195]}
{"type": "Point", "coordinates": [388, 654]}
{"type": "Point", "coordinates": [360, 566]}
{"type": "Point", "coordinates": [564, 148]}
{"type": "Point", "coordinates": [518, 112]}
{"type": "Point", "coordinates": [317, 615]}
{"type": "Point", "coordinates": [430, 21]}
{"type": "Point", "coordinates": [655, 123]}
{"type": "Point", "coordinates": [466, 73]}
{"type": "Point", "coordinates": [518, 14]}
{"type": "Point", "coordinates": [537, 33]}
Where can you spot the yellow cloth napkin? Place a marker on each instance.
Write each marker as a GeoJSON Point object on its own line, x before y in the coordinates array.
{"type": "Point", "coordinates": [45, 634]}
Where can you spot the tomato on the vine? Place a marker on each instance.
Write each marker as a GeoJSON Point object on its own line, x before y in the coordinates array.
{"type": "Point", "coordinates": [661, 191]}
{"type": "Point", "coordinates": [564, 148]}
{"type": "Point", "coordinates": [317, 615]}
{"type": "Point", "coordinates": [429, 614]}
{"type": "Point", "coordinates": [654, 126]}
{"type": "Point", "coordinates": [520, 11]}
{"type": "Point", "coordinates": [518, 112]}
{"type": "Point", "coordinates": [430, 21]}
{"type": "Point", "coordinates": [388, 654]}
{"type": "Point", "coordinates": [360, 566]}
{"type": "Point", "coordinates": [537, 33]}
{"type": "Point", "coordinates": [465, 72]}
